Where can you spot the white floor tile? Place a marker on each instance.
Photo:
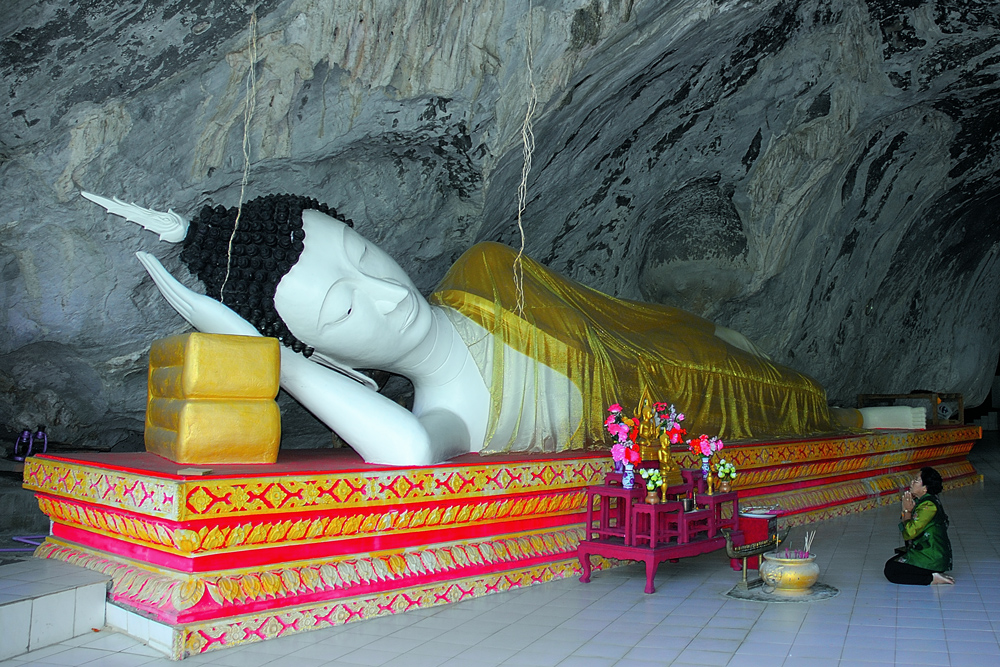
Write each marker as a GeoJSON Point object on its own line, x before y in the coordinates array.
{"type": "Point", "coordinates": [15, 622]}
{"type": "Point", "coordinates": [52, 618]}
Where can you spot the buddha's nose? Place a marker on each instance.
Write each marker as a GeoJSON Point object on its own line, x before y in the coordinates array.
{"type": "Point", "coordinates": [386, 295]}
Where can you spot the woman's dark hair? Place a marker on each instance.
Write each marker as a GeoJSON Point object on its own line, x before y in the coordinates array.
{"type": "Point", "coordinates": [267, 244]}
{"type": "Point", "coordinates": [932, 480]}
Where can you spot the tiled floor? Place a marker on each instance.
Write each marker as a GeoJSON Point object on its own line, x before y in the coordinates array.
{"type": "Point", "coordinates": [43, 602]}
{"type": "Point", "coordinates": [688, 621]}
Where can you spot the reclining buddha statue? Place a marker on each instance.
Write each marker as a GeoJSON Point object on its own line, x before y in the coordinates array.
{"type": "Point", "coordinates": [494, 369]}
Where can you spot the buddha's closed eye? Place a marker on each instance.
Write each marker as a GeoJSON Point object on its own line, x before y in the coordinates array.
{"type": "Point", "coordinates": [347, 313]}
{"type": "Point", "coordinates": [337, 306]}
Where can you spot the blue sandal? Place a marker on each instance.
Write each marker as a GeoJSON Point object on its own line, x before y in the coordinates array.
{"type": "Point", "coordinates": [40, 435]}
{"type": "Point", "coordinates": [25, 439]}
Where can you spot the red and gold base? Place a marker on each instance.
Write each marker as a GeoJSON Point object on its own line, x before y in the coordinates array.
{"type": "Point", "coordinates": [241, 553]}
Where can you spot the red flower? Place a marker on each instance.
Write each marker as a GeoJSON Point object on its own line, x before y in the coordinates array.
{"type": "Point", "coordinates": [632, 456]}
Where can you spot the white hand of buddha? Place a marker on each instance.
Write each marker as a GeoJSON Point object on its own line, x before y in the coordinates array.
{"type": "Point", "coordinates": [202, 312]}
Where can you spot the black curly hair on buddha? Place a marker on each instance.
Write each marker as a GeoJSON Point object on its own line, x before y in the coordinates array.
{"type": "Point", "coordinates": [267, 245]}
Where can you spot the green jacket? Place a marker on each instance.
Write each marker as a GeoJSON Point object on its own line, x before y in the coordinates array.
{"type": "Point", "coordinates": [928, 530]}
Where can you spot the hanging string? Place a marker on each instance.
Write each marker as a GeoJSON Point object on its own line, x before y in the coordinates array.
{"type": "Point", "coordinates": [527, 149]}
{"type": "Point", "coordinates": [248, 109]}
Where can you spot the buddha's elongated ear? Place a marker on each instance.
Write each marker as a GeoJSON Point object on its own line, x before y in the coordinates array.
{"type": "Point", "coordinates": [170, 226]}
{"type": "Point", "coordinates": [345, 370]}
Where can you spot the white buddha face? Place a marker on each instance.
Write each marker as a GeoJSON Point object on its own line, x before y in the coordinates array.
{"type": "Point", "coordinates": [349, 300]}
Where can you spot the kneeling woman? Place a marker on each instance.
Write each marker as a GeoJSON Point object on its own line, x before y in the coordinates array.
{"type": "Point", "coordinates": [924, 527]}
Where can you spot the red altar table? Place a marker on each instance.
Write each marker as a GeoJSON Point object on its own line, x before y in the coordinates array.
{"type": "Point", "coordinates": [668, 531]}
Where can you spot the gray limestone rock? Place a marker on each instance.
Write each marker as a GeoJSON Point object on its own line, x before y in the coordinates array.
{"type": "Point", "coordinates": [820, 175]}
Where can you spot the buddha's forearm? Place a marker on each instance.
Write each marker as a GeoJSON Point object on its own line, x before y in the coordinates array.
{"type": "Point", "coordinates": [377, 428]}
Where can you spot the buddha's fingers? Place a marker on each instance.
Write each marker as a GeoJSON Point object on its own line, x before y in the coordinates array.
{"type": "Point", "coordinates": [202, 312]}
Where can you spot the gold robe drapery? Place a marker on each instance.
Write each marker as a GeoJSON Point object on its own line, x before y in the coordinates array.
{"type": "Point", "coordinates": [610, 348]}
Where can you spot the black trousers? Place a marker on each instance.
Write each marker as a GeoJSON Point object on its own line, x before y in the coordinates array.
{"type": "Point", "coordinates": [904, 573]}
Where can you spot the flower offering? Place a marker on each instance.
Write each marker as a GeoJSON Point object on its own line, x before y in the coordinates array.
{"type": "Point", "coordinates": [625, 430]}
{"type": "Point", "coordinates": [725, 470]}
{"type": "Point", "coordinates": [652, 478]}
{"type": "Point", "coordinates": [704, 446]}
{"type": "Point", "coordinates": [668, 420]}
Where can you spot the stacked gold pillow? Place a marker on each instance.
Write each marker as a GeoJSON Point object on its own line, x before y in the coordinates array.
{"type": "Point", "coordinates": [211, 399]}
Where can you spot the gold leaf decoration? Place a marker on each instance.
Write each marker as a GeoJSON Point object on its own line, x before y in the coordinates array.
{"type": "Point", "coordinates": [365, 570]}
{"type": "Point", "coordinates": [153, 589]}
{"type": "Point", "coordinates": [311, 579]}
{"type": "Point", "coordinates": [449, 515]}
{"type": "Point", "coordinates": [164, 535]}
{"type": "Point", "coordinates": [446, 559]}
{"type": "Point", "coordinates": [387, 520]}
{"type": "Point", "coordinates": [251, 586]}
{"type": "Point", "coordinates": [186, 540]}
{"type": "Point", "coordinates": [271, 583]}
{"type": "Point", "coordinates": [188, 593]}
{"type": "Point", "coordinates": [298, 529]}
{"type": "Point", "coordinates": [415, 564]}
{"type": "Point", "coordinates": [335, 527]}
{"type": "Point", "coordinates": [381, 568]}
{"type": "Point", "coordinates": [458, 553]}
{"type": "Point", "coordinates": [258, 534]}
{"type": "Point", "coordinates": [316, 528]}
{"type": "Point", "coordinates": [430, 560]}
{"type": "Point", "coordinates": [347, 573]}
{"type": "Point", "coordinates": [290, 578]}
{"type": "Point", "coordinates": [419, 518]}
{"type": "Point", "coordinates": [229, 588]}
{"type": "Point", "coordinates": [329, 574]}
{"type": "Point", "coordinates": [278, 531]}
{"type": "Point", "coordinates": [474, 556]}
{"type": "Point", "coordinates": [141, 531]}
{"type": "Point", "coordinates": [215, 539]}
{"type": "Point", "coordinates": [199, 500]}
{"type": "Point", "coordinates": [238, 535]}
{"type": "Point", "coordinates": [397, 565]}
{"type": "Point", "coordinates": [369, 524]}
{"type": "Point", "coordinates": [128, 580]}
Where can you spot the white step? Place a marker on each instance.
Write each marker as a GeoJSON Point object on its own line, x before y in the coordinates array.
{"type": "Point", "coordinates": [44, 602]}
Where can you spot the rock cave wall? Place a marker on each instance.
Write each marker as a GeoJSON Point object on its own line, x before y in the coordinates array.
{"type": "Point", "coordinates": [820, 175]}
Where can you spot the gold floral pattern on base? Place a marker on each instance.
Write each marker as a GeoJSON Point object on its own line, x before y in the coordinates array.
{"type": "Point", "coordinates": [204, 637]}
{"type": "Point", "coordinates": [263, 532]}
{"type": "Point", "coordinates": [166, 594]}
{"type": "Point", "coordinates": [190, 499]}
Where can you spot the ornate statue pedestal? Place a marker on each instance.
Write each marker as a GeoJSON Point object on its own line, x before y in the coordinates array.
{"type": "Point", "coordinates": [218, 556]}
{"type": "Point", "coordinates": [229, 554]}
